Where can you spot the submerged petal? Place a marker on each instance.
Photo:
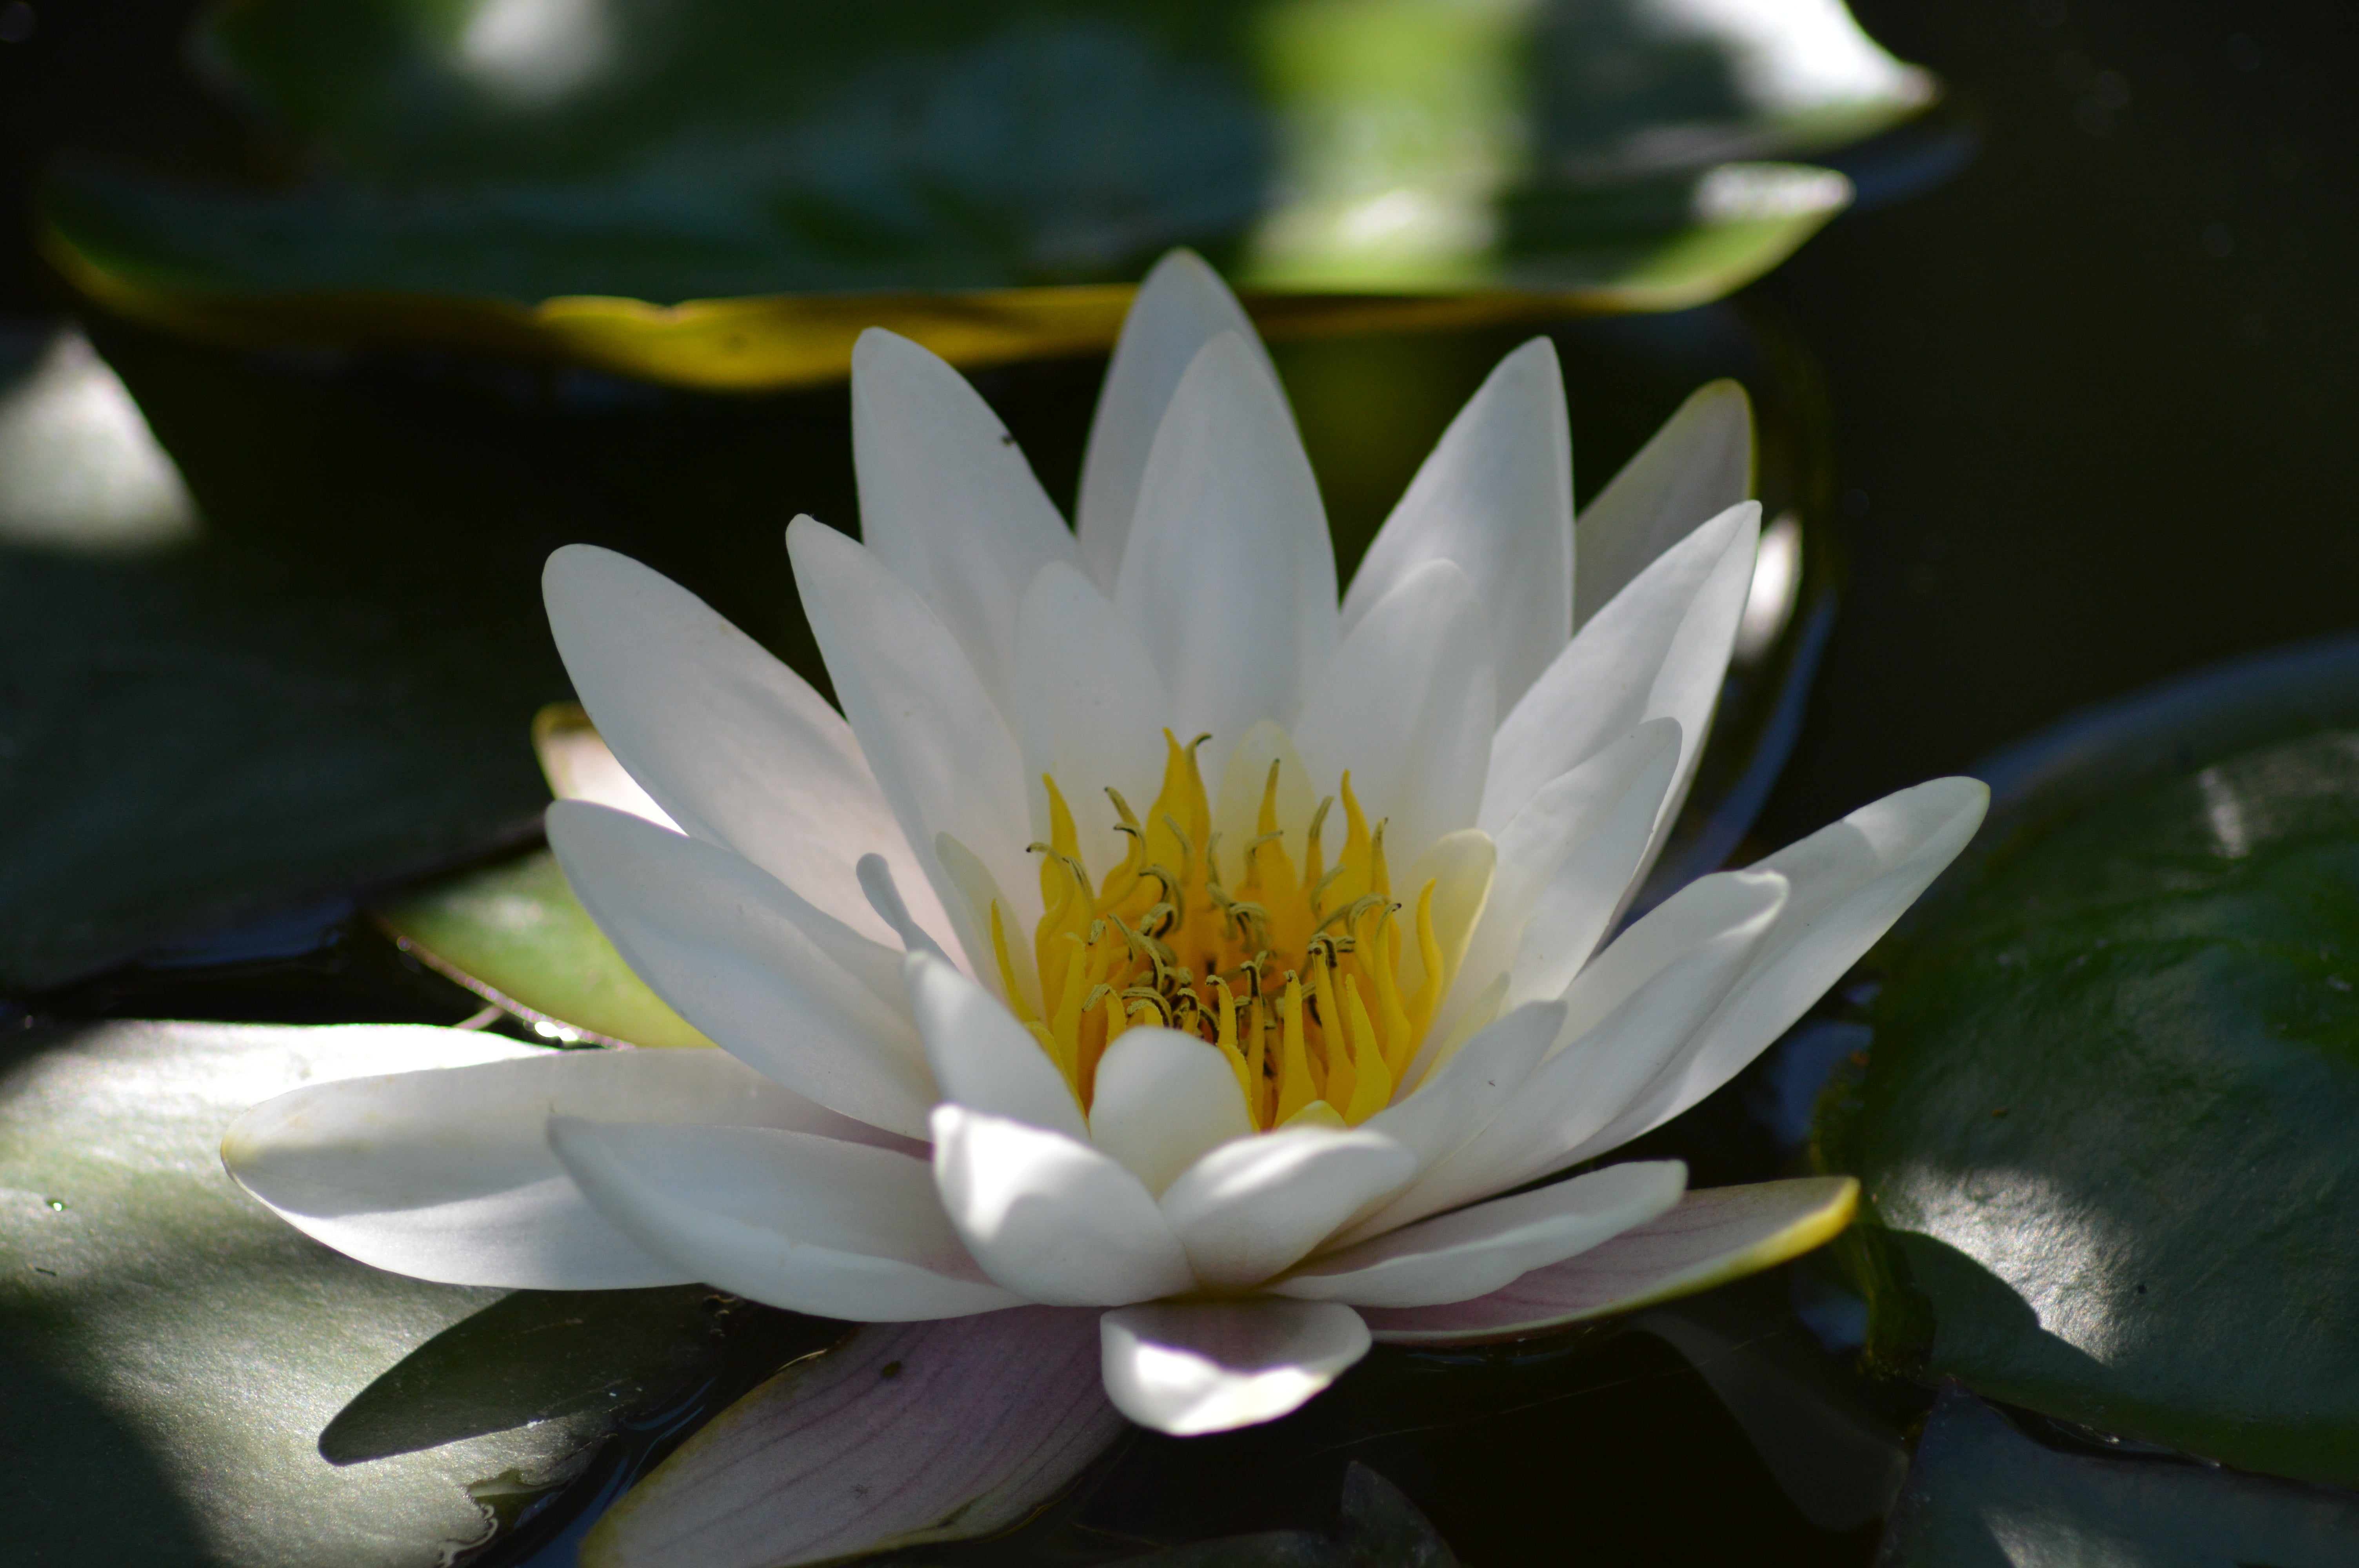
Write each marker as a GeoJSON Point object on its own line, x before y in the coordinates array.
{"type": "Point", "coordinates": [1714, 1236]}
{"type": "Point", "coordinates": [446, 1174]}
{"type": "Point", "coordinates": [1696, 466]}
{"type": "Point", "coordinates": [732, 745]}
{"type": "Point", "coordinates": [763, 974]}
{"type": "Point", "coordinates": [948, 503]}
{"type": "Point", "coordinates": [1181, 306]}
{"type": "Point", "coordinates": [1407, 705]}
{"type": "Point", "coordinates": [1190, 1367]}
{"type": "Point", "coordinates": [1494, 498]}
{"type": "Point", "coordinates": [1229, 578]}
{"type": "Point", "coordinates": [1050, 1218]}
{"type": "Point", "coordinates": [1477, 1251]}
{"type": "Point", "coordinates": [806, 1223]}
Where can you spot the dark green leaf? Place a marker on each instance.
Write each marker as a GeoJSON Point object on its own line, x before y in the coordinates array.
{"type": "Point", "coordinates": [1983, 1495]}
{"type": "Point", "coordinates": [173, 1350]}
{"type": "Point", "coordinates": [2104, 1128]}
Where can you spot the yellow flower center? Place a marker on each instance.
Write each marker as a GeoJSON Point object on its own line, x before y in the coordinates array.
{"type": "Point", "coordinates": [1298, 975]}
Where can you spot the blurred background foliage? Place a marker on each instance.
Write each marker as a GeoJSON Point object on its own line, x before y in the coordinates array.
{"type": "Point", "coordinates": [421, 169]}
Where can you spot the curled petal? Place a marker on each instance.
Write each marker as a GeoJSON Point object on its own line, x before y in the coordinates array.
{"type": "Point", "coordinates": [1190, 1367]}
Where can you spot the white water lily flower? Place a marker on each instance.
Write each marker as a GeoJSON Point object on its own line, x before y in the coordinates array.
{"type": "Point", "coordinates": [1152, 933]}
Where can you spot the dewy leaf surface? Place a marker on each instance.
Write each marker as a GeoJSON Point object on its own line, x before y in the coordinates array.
{"type": "Point", "coordinates": [2105, 1132]}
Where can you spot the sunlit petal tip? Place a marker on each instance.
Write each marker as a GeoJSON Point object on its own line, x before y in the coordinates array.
{"type": "Point", "coordinates": [1190, 1368]}
{"type": "Point", "coordinates": [1698, 465]}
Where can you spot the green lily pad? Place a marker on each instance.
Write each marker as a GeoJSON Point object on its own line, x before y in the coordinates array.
{"type": "Point", "coordinates": [2104, 1132]}
{"type": "Point", "coordinates": [518, 176]}
{"type": "Point", "coordinates": [1984, 1495]}
{"type": "Point", "coordinates": [514, 934]}
{"type": "Point", "coordinates": [191, 1381]}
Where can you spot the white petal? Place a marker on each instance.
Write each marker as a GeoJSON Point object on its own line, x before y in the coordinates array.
{"type": "Point", "coordinates": [579, 765]}
{"type": "Point", "coordinates": [942, 757]}
{"type": "Point", "coordinates": [1696, 466]}
{"type": "Point", "coordinates": [1050, 1218]}
{"type": "Point", "coordinates": [1631, 1012]}
{"type": "Point", "coordinates": [1714, 1236]}
{"type": "Point", "coordinates": [1190, 1367]}
{"type": "Point", "coordinates": [447, 1174]}
{"type": "Point", "coordinates": [1851, 881]}
{"type": "Point", "coordinates": [1229, 578]}
{"type": "Point", "coordinates": [731, 744]}
{"type": "Point", "coordinates": [979, 894]}
{"type": "Point", "coordinates": [763, 974]}
{"type": "Point", "coordinates": [1407, 705]}
{"type": "Point", "coordinates": [1495, 497]}
{"type": "Point", "coordinates": [1569, 857]}
{"type": "Point", "coordinates": [1477, 1251]}
{"type": "Point", "coordinates": [948, 503]}
{"type": "Point", "coordinates": [1182, 306]}
{"type": "Point", "coordinates": [902, 1435]}
{"type": "Point", "coordinates": [1253, 1206]}
{"type": "Point", "coordinates": [1161, 1099]}
{"type": "Point", "coordinates": [1459, 1098]}
{"type": "Point", "coordinates": [789, 1219]}
{"type": "Point", "coordinates": [1659, 649]}
{"type": "Point", "coordinates": [1236, 808]}
{"type": "Point", "coordinates": [1091, 709]}
{"type": "Point", "coordinates": [982, 1056]}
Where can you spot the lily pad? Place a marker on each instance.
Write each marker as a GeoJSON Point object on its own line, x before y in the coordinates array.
{"type": "Point", "coordinates": [1983, 1495]}
{"type": "Point", "coordinates": [191, 1381]}
{"type": "Point", "coordinates": [217, 723]}
{"type": "Point", "coordinates": [522, 177]}
{"type": "Point", "coordinates": [514, 934]}
{"type": "Point", "coordinates": [2104, 1132]}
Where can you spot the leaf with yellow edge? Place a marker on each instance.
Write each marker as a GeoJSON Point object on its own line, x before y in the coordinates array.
{"type": "Point", "coordinates": [1716, 1235]}
{"type": "Point", "coordinates": [514, 933]}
